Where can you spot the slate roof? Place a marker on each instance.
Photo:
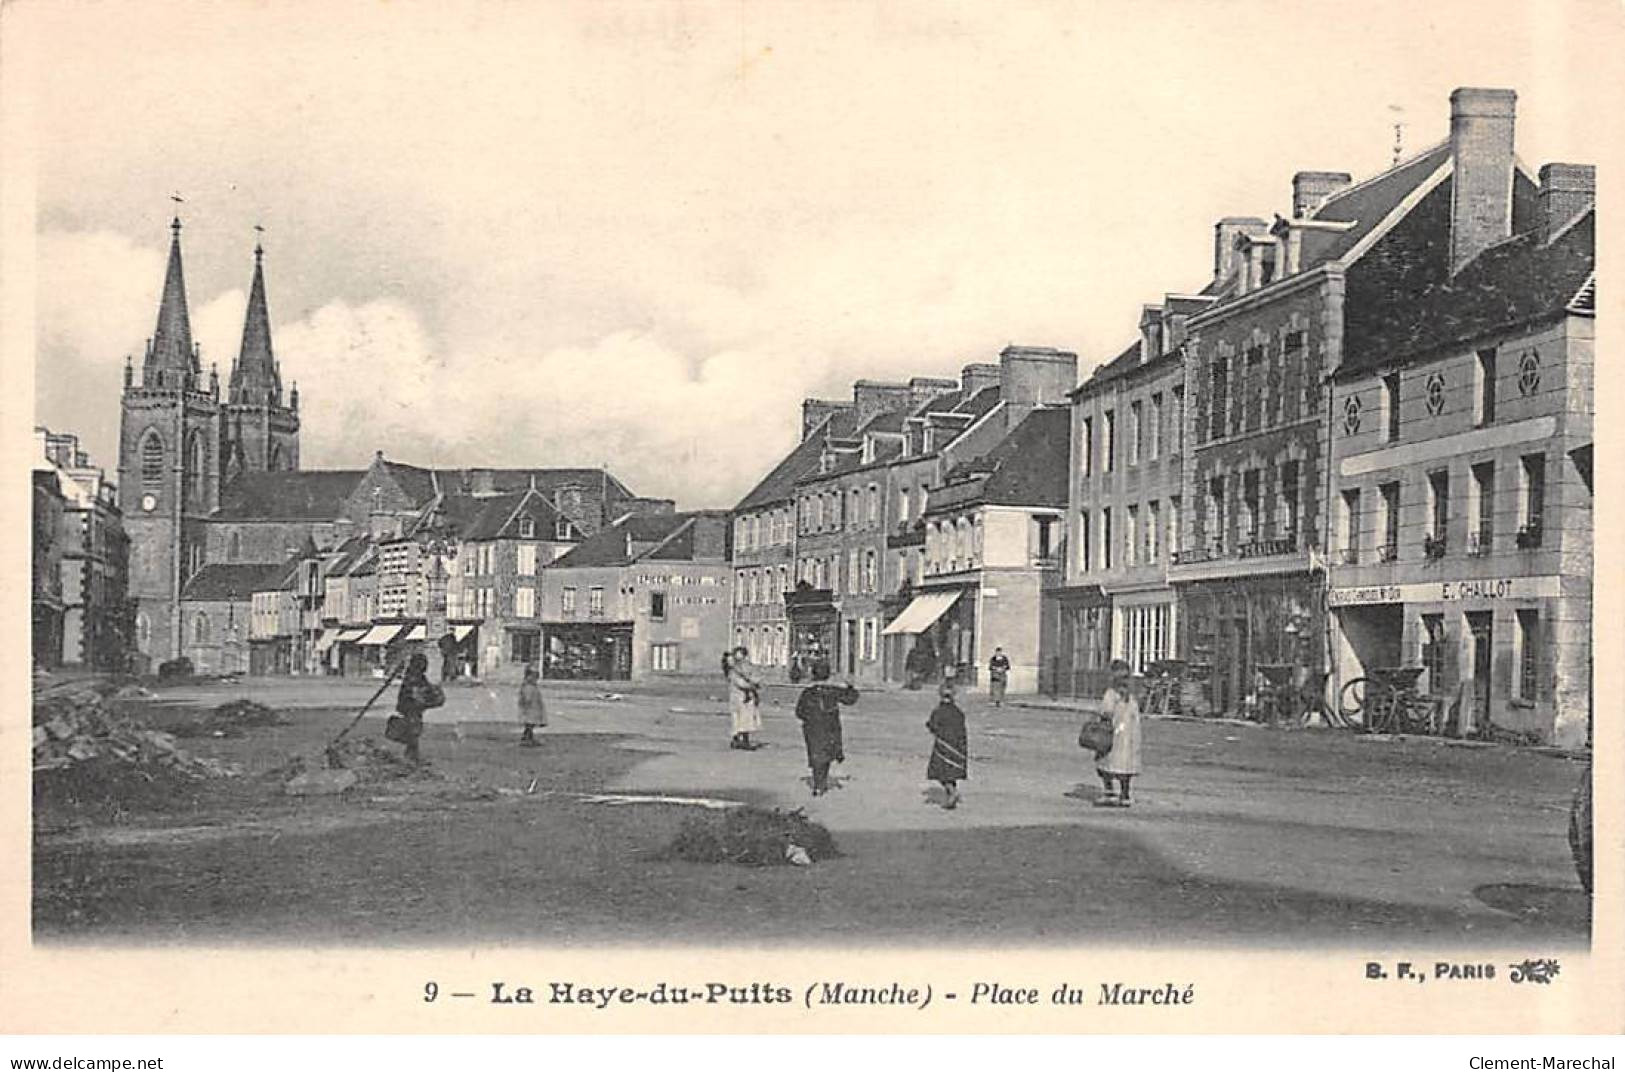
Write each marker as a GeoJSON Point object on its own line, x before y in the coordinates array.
{"type": "Point", "coordinates": [1366, 204]}
{"type": "Point", "coordinates": [299, 495]}
{"type": "Point", "coordinates": [979, 404]}
{"type": "Point", "coordinates": [1028, 467]}
{"type": "Point", "coordinates": [488, 517]}
{"type": "Point", "coordinates": [235, 581]}
{"type": "Point", "coordinates": [609, 547]}
{"type": "Point", "coordinates": [1516, 282]}
{"type": "Point", "coordinates": [777, 485]}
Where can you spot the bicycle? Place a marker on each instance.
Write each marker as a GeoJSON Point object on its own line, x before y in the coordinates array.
{"type": "Point", "coordinates": [1387, 702]}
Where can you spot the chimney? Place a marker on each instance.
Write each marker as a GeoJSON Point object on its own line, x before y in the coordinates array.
{"type": "Point", "coordinates": [1150, 332]}
{"type": "Point", "coordinates": [871, 398]}
{"type": "Point", "coordinates": [1032, 376]}
{"type": "Point", "coordinates": [1565, 191]}
{"type": "Point", "coordinates": [710, 538]}
{"type": "Point", "coordinates": [978, 377]}
{"type": "Point", "coordinates": [483, 482]}
{"type": "Point", "coordinates": [1311, 188]}
{"type": "Point", "coordinates": [923, 389]}
{"type": "Point", "coordinates": [814, 411]}
{"type": "Point", "coordinates": [1225, 233]}
{"type": "Point", "coordinates": [1481, 123]}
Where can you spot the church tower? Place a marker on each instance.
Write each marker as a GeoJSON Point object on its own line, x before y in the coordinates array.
{"type": "Point", "coordinates": [169, 465]}
{"type": "Point", "coordinates": [261, 433]}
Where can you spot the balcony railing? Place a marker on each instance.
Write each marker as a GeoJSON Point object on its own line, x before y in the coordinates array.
{"type": "Point", "coordinates": [1529, 536]}
{"type": "Point", "coordinates": [1350, 556]}
{"type": "Point", "coordinates": [1479, 543]}
{"type": "Point", "coordinates": [1388, 552]}
{"type": "Point", "coordinates": [1046, 561]}
{"type": "Point", "coordinates": [1434, 546]}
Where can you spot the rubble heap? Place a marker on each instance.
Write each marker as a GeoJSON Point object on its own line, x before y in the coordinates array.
{"type": "Point", "coordinates": [229, 720]}
{"type": "Point", "coordinates": [75, 724]}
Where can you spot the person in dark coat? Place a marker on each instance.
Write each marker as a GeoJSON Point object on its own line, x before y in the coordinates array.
{"type": "Point", "coordinates": [819, 710]}
{"type": "Point", "coordinates": [998, 676]}
{"type": "Point", "coordinates": [417, 695]}
{"type": "Point", "coordinates": [949, 751]}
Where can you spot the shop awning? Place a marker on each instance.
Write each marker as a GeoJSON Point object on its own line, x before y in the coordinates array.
{"type": "Point", "coordinates": [379, 635]}
{"type": "Point", "coordinates": [350, 636]}
{"type": "Point", "coordinates": [328, 638]}
{"type": "Point", "coordinates": [461, 632]}
{"type": "Point", "coordinates": [419, 632]}
{"type": "Point", "coordinates": [918, 615]}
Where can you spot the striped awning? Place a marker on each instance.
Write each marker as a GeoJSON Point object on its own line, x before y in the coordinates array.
{"type": "Point", "coordinates": [918, 616]}
{"type": "Point", "coordinates": [419, 632]}
{"type": "Point", "coordinates": [350, 636]}
{"type": "Point", "coordinates": [461, 631]}
{"type": "Point", "coordinates": [328, 638]}
{"type": "Point", "coordinates": [380, 635]}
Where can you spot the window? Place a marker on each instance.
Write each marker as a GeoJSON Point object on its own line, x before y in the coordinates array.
{"type": "Point", "coordinates": [1106, 538]}
{"type": "Point", "coordinates": [561, 530]}
{"type": "Point", "coordinates": [663, 657]}
{"type": "Point", "coordinates": [1286, 517]}
{"type": "Point", "coordinates": [197, 459]}
{"type": "Point", "coordinates": [1131, 533]}
{"type": "Point", "coordinates": [1438, 506]}
{"type": "Point", "coordinates": [869, 640]}
{"type": "Point", "coordinates": [1389, 550]}
{"type": "Point", "coordinates": [527, 559]}
{"type": "Point", "coordinates": [527, 528]}
{"type": "Point", "coordinates": [874, 506]}
{"type": "Point", "coordinates": [1528, 652]}
{"type": "Point", "coordinates": [1154, 438]}
{"type": "Point", "coordinates": [1249, 507]}
{"type": "Point", "coordinates": [1351, 525]}
{"type": "Point", "coordinates": [1433, 651]}
{"type": "Point", "coordinates": [1110, 446]}
{"type": "Point", "coordinates": [854, 581]}
{"type": "Point", "coordinates": [1390, 406]}
{"type": "Point", "coordinates": [567, 600]}
{"type": "Point", "coordinates": [1136, 420]}
{"type": "Point", "coordinates": [1218, 403]}
{"type": "Point", "coordinates": [1083, 542]}
{"type": "Point", "coordinates": [234, 547]}
{"type": "Point", "coordinates": [595, 600]}
{"type": "Point", "coordinates": [1179, 420]}
{"type": "Point", "coordinates": [1173, 523]}
{"type": "Point", "coordinates": [854, 519]}
{"type": "Point", "coordinates": [524, 602]}
{"type": "Point", "coordinates": [902, 507]}
{"type": "Point", "coordinates": [1483, 512]}
{"type": "Point", "coordinates": [200, 629]}
{"type": "Point", "coordinates": [1532, 503]}
{"type": "Point", "coordinates": [1255, 356]}
{"type": "Point", "coordinates": [1087, 447]}
{"type": "Point", "coordinates": [152, 460]}
{"type": "Point", "coordinates": [870, 580]}
{"type": "Point", "coordinates": [1153, 525]}
{"type": "Point", "coordinates": [1484, 387]}
{"type": "Point", "coordinates": [657, 606]}
{"type": "Point", "coordinates": [1215, 514]}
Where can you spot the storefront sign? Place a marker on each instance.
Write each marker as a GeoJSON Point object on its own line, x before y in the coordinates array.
{"type": "Point", "coordinates": [1492, 588]}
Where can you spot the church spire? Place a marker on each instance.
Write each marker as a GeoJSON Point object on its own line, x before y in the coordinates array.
{"type": "Point", "coordinates": [171, 357]}
{"type": "Point", "coordinates": [254, 377]}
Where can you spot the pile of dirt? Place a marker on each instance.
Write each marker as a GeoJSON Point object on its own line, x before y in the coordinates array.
{"type": "Point", "coordinates": [93, 761]}
{"type": "Point", "coordinates": [370, 761]}
{"type": "Point", "coordinates": [75, 725]}
{"type": "Point", "coordinates": [755, 837]}
{"type": "Point", "coordinates": [228, 720]}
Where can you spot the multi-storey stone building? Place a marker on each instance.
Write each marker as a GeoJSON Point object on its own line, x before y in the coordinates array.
{"type": "Point", "coordinates": [1125, 505]}
{"type": "Point", "coordinates": [1461, 434]}
{"type": "Point", "coordinates": [97, 625]}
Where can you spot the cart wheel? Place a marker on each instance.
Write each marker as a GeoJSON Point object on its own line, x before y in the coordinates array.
{"type": "Point", "coordinates": [1351, 701]}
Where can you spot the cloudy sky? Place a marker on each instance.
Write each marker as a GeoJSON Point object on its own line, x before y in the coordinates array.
{"type": "Point", "coordinates": [641, 233]}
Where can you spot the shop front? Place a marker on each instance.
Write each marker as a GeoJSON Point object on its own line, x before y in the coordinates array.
{"type": "Point", "coordinates": [917, 640]}
{"type": "Point", "coordinates": [1083, 650]}
{"type": "Point", "coordinates": [1238, 633]}
{"type": "Point", "coordinates": [1501, 656]}
{"type": "Point", "coordinates": [814, 628]}
{"type": "Point", "coordinates": [597, 651]}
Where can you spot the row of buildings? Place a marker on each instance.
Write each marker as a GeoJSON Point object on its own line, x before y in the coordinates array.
{"type": "Point", "coordinates": [243, 562]}
{"type": "Point", "coordinates": [1363, 442]}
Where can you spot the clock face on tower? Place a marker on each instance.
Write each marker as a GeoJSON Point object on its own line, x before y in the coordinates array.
{"type": "Point", "coordinates": [149, 502]}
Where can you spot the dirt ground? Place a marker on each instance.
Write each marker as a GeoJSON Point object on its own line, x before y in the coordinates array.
{"type": "Point", "coordinates": [508, 844]}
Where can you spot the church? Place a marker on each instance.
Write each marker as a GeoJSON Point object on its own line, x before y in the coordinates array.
{"type": "Point", "coordinates": [217, 507]}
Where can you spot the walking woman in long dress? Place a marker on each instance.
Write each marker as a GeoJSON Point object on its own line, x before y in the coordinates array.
{"type": "Point", "coordinates": [744, 699]}
{"type": "Point", "coordinates": [950, 757]}
{"type": "Point", "coordinates": [1122, 763]}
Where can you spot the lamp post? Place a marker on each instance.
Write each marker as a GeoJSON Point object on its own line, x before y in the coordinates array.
{"type": "Point", "coordinates": [439, 545]}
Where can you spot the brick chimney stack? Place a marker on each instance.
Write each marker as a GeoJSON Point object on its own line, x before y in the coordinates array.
{"type": "Point", "coordinates": [1565, 191]}
{"type": "Point", "coordinates": [1481, 122]}
{"type": "Point", "coordinates": [1224, 241]}
{"type": "Point", "coordinates": [1311, 188]}
{"type": "Point", "coordinates": [814, 411]}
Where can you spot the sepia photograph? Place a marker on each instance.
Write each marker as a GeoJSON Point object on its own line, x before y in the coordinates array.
{"type": "Point", "coordinates": [882, 478]}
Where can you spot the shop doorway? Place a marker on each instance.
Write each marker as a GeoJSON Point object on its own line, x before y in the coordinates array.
{"type": "Point", "coordinates": [1481, 639]}
{"type": "Point", "coordinates": [851, 646]}
{"type": "Point", "coordinates": [1235, 642]}
{"type": "Point", "coordinates": [1371, 639]}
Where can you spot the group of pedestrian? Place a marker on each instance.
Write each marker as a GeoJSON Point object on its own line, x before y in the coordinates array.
{"type": "Point", "coordinates": [819, 711]}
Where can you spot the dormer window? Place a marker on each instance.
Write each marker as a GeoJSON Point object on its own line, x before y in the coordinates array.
{"type": "Point", "coordinates": [527, 528]}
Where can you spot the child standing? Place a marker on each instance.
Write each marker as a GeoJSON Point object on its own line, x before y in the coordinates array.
{"type": "Point", "coordinates": [819, 710]}
{"type": "Point", "coordinates": [949, 751]}
{"type": "Point", "coordinates": [1122, 763]}
{"type": "Point", "coordinates": [532, 711]}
